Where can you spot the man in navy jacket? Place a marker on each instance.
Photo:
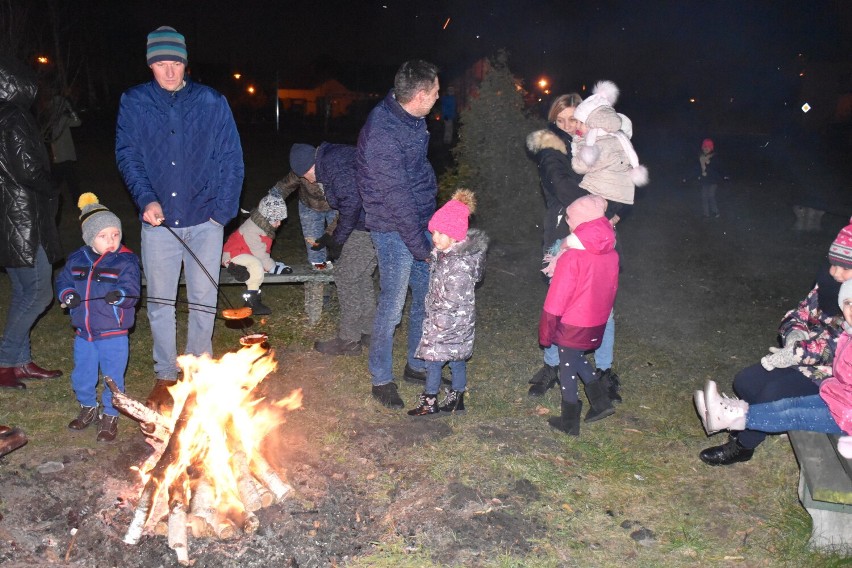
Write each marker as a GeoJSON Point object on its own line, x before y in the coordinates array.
{"type": "Point", "coordinates": [179, 152]}
{"type": "Point", "coordinates": [399, 189]}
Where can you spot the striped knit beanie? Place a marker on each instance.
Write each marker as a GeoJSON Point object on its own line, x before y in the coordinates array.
{"type": "Point", "coordinates": [166, 44]}
{"type": "Point", "coordinates": [95, 217]}
{"type": "Point", "coordinates": [840, 252]}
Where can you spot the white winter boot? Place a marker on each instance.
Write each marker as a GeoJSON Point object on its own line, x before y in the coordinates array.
{"type": "Point", "coordinates": [700, 405]}
{"type": "Point", "coordinates": [723, 413]}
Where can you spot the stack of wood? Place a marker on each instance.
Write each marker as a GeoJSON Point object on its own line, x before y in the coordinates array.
{"type": "Point", "coordinates": [188, 503]}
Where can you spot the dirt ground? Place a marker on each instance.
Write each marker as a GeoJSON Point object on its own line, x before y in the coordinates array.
{"type": "Point", "coordinates": [685, 281]}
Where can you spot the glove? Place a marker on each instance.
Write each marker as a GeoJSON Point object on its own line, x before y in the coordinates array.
{"type": "Point", "coordinates": [844, 446]}
{"type": "Point", "coordinates": [794, 336]}
{"type": "Point", "coordinates": [280, 268]}
{"type": "Point", "coordinates": [324, 241]}
{"type": "Point", "coordinates": [779, 358]}
{"type": "Point", "coordinates": [113, 297]}
{"type": "Point", "coordinates": [72, 300]}
{"type": "Point", "coordinates": [334, 250]}
{"type": "Point", "coordinates": [238, 271]}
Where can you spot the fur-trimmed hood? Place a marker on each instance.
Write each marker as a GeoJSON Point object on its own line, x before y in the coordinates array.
{"type": "Point", "coordinates": [546, 139]}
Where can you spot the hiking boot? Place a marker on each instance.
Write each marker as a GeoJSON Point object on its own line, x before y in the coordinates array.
{"type": "Point", "coordinates": [159, 399]}
{"type": "Point", "coordinates": [730, 452]}
{"type": "Point", "coordinates": [251, 299]}
{"type": "Point", "coordinates": [598, 395]}
{"type": "Point", "coordinates": [416, 377]}
{"type": "Point", "coordinates": [238, 272]}
{"type": "Point", "coordinates": [388, 395]}
{"type": "Point", "coordinates": [107, 428]}
{"type": "Point", "coordinates": [569, 421]}
{"type": "Point", "coordinates": [337, 346]}
{"type": "Point", "coordinates": [427, 405]}
{"type": "Point", "coordinates": [86, 416]}
{"type": "Point", "coordinates": [453, 401]}
{"type": "Point", "coordinates": [543, 380]}
{"type": "Point", "coordinates": [613, 386]}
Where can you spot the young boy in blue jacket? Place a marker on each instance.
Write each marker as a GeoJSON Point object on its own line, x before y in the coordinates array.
{"type": "Point", "coordinates": [100, 286]}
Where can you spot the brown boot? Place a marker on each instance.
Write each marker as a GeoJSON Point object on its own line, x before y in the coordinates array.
{"type": "Point", "coordinates": [9, 379]}
{"type": "Point", "coordinates": [107, 428]}
{"type": "Point", "coordinates": [11, 439]}
{"type": "Point", "coordinates": [87, 416]}
{"type": "Point", "coordinates": [159, 399]}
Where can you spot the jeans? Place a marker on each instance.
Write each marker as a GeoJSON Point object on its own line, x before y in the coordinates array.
{"type": "Point", "coordinates": [808, 413]}
{"type": "Point", "coordinates": [603, 354]}
{"type": "Point", "coordinates": [356, 293]}
{"type": "Point", "coordinates": [163, 256]}
{"type": "Point", "coordinates": [756, 385]}
{"type": "Point", "coordinates": [708, 199]}
{"type": "Point", "coordinates": [110, 356]}
{"type": "Point", "coordinates": [314, 224]}
{"type": "Point", "coordinates": [433, 375]}
{"type": "Point", "coordinates": [398, 271]}
{"type": "Point", "coordinates": [573, 363]}
{"type": "Point", "coordinates": [32, 292]}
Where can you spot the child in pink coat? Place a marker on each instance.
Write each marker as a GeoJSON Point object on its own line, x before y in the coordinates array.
{"type": "Point", "coordinates": [578, 304]}
{"type": "Point", "coordinates": [830, 411]}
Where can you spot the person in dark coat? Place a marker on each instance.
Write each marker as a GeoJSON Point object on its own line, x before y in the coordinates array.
{"type": "Point", "coordinates": [179, 153]}
{"type": "Point", "coordinates": [350, 246]}
{"type": "Point", "coordinates": [29, 240]}
{"type": "Point", "coordinates": [399, 188]}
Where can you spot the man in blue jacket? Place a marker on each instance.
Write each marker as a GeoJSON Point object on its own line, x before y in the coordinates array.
{"type": "Point", "coordinates": [349, 246]}
{"type": "Point", "coordinates": [399, 190]}
{"type": "Point", "coordinates": [179, 152]}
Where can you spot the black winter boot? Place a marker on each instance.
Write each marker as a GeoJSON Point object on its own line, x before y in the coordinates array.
{"type": "Point", "coordinates": [453, 401]}
{"type": "Point", "coordinates": [601, 406]}
{"type": "Point", "coordinates": [427, 405]}
{"type": "Point", "coordinates": [613, 384]}
{"type": "Point", "coordinates": [543, 380]}
{"type": "Point", "coordinates": [252, 300]}
{"type": "Point", "coordinates": [569, 422]}
{"type": "Point", "coordinates": [730, 452]}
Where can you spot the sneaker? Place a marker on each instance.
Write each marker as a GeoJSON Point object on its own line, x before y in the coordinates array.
{"type": "Point", "coordinates": [337, 346]}
{"type": "Point", "coordinates": [387, 394]}
{"type": "Point", "coordinates": [322, 266]}
{"type": "Point", "coordinates": [416, 377]}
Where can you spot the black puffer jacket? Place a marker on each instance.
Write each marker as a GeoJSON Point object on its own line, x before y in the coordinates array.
{"type": "Point", "coordinates": [28, 199]}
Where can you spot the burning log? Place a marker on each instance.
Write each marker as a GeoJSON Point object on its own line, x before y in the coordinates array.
{"type": "Point", "coordinates": [208, 461]}
{"type": "Point", "coordinates": [153, 423]}
{"type": "Point", "coordinates": [264, 472]}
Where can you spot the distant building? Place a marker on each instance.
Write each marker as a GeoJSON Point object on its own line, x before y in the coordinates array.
{"type": "Point", "coordinates": [330, 99]}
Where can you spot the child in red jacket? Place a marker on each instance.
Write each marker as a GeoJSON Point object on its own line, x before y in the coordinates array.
{"type": "Point", "coordinates": [246, 252]}
{"type": "Point", "coordinates": [578, 304]}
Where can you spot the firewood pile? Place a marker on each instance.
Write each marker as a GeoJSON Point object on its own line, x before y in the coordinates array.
{"type": "Point", "coordinates": [207, 475]}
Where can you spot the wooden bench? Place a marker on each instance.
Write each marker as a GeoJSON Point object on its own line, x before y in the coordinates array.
{"type": "Point", "coordinates": [825, 490]}
{"type": "Point", "coordinates": [314, 285]}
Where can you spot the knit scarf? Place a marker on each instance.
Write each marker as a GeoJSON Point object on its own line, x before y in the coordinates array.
{"type": "Point", "coordinates": [261, 222]}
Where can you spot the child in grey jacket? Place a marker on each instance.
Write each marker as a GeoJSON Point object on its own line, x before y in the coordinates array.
{"type": "Point", "coordinates": [457, 263]}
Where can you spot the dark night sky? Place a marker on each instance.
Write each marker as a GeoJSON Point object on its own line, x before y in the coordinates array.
{"type": "Point", "coordinates": [653, 49]}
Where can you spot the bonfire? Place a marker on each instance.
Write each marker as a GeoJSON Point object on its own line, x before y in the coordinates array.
{"type": "Point", "coordinates": [207, 475]}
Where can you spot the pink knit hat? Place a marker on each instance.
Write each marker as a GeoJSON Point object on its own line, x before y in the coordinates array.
{"type": "Point", "coordinates": [708, 145]}
{"type": "Point", "coordinates": [452, 218]}
{"type": "Point", "coordinates": [583, 209]}
{"type": "Point", "coordinates": [840, 252]}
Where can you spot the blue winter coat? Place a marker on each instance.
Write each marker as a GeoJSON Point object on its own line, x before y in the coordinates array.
{"type": "Point", "coordinates": [335, 170]}
{"type": "Point", "coordinates": [182, 150]}
{"type": "Point", "coordinates": [91, 276]}
{"type": "Point", "coordinates": [396, 180]}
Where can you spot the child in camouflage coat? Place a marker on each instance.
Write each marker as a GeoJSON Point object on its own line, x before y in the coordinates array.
{"type": "Point", "coordinates": [457, 263]}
